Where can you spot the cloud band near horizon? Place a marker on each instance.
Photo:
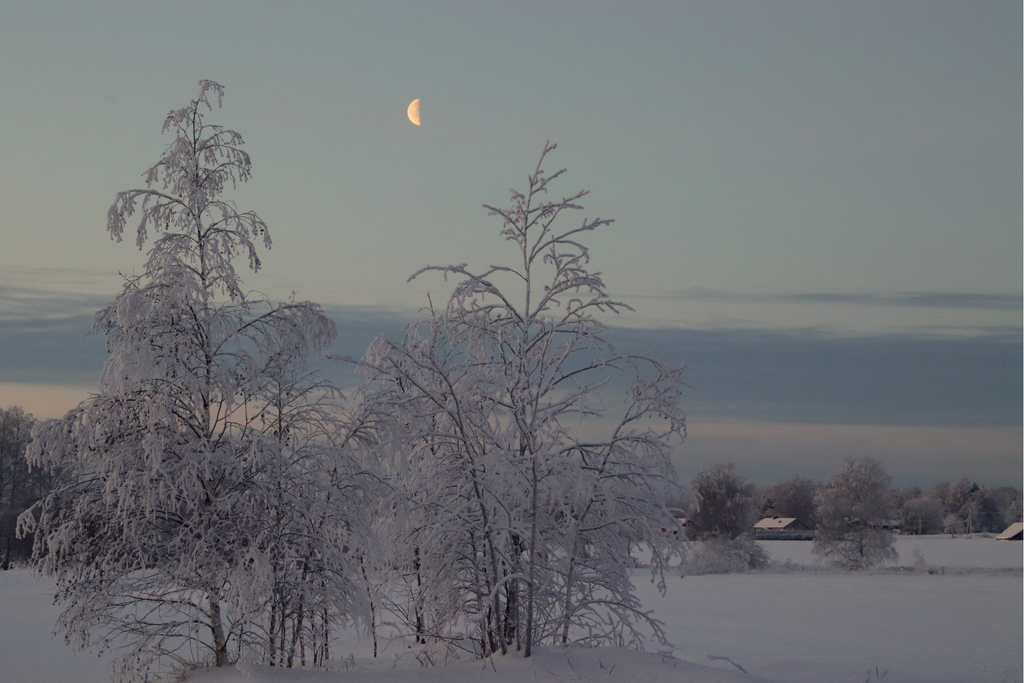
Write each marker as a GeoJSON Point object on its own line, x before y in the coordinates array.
{"type": "Point", "coordinates": [789, 383]}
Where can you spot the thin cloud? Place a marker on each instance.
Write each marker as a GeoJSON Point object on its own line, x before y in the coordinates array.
{"type": "Point", "coordinates": [24, 303]}
{"type": "Point", "coordinates": [993, 302]}
{"type": "Point", "coordinates": [794, 376]}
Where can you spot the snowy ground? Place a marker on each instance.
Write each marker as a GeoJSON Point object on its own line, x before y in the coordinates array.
{"type": "Point", "coordinates": [963, 552]}
{"type": "Point", "coordinates": [946, 621]}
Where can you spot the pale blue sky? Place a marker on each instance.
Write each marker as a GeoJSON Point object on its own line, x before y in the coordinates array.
{"type": "Point", "coordinates": [816, 170]}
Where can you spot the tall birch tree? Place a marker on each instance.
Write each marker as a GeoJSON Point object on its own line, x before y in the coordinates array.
{"type": "Point", "coordinates": [208, 491]}
{"type": "Point", "coordinates": [517, 476]}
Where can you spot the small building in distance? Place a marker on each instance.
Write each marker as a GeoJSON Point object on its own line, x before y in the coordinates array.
{"type": "Point", "coordinates": [1014, 532]}
{"type": "Point", "coordinates": [780, 525]}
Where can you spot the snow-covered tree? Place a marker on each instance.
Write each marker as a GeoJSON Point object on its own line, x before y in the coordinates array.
{"type": "Point", "coordinates": [854, 507]}
{"type": "Point", "coordinates": [443, 527]}
{"type": "Point", "coordinates": [210, 500]}
{"type": "Point", "coordinates": [1007, 503]}
{"type": "Point", "coordinates": [726, 508]}
{"type": "Point", "coordinates": [968, 508]}
{"type": "Point", "coordinates": [794, 497]}
{"type": "Point", "coordinates": [922, 515]}
{"type": "Point", "coordinates": [518, 492]}
{"type": "Point", "coordinates": [311, 522]}
{"type": "Point", "coordinates": [19, 487]}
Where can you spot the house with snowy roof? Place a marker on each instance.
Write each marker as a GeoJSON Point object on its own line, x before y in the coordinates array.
{"type": "Point", "coordinates": [779, 524]}
{"type": "Point", "coordinates": [1014, 532]}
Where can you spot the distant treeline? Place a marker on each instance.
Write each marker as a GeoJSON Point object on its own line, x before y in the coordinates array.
{"type": "Point", "coordinates": [729, 506]}
{"type": "Point", "coordinates": [20, 487]}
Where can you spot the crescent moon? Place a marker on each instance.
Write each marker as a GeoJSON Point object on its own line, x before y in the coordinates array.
{"type": "Point", "coordinates": [414, 112]}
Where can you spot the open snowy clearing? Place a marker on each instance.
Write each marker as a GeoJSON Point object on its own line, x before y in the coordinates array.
{"type": "Point", "coordinates": [959, 552]}
{"type": "Point", "coordinates": [951, 625]}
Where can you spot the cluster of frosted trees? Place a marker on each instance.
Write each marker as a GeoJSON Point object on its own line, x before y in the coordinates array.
{"type": "Point", "coordinates": [851, 514]}
{"type": "Point", "coordinates": [223, 502]}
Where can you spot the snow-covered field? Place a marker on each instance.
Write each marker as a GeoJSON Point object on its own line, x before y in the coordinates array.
{"type": "Point", "coordinates": [951, 623]}
{"type": "Point", "coordinates": [955, 552]}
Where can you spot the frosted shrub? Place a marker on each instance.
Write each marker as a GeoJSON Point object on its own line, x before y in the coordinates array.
{"type": "Point", "coordinates": [723, 556]}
